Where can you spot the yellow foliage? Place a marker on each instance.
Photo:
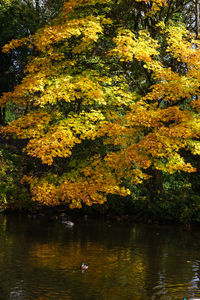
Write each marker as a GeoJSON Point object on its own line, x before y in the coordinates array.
{"type": "Point", "coordinates": [70, 102]}
{"type": "Point", "coordinates": [16, 43]}
{"type": "Point", "coordinates": [32, 125]}
{"type": "Point", "coordinates": [90, 186]}
{"type": "Point", "coordinates": [128, 46]}
{"type": "Point", "coordinates": [61, 138]}
{"type": "Point", "coordinates": [89, 27]}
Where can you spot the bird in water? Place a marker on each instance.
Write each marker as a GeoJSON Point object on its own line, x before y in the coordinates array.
{"type": "Point", "coordinates": [67, 223]}
{"type": "Point", "coordinates": [84, 266]}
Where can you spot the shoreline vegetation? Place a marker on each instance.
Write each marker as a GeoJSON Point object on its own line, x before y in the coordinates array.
{"type": "Point", "coordinates": [101, 213]}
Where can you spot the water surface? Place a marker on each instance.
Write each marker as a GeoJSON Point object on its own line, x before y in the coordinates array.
{"type": "Point", "coordinates": [40, 259]}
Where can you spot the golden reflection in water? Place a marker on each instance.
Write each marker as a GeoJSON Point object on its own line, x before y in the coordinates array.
{"type": "Point", "coordinates": [107, 267]}
{"type": "Point", "coordinates": [131, 265]}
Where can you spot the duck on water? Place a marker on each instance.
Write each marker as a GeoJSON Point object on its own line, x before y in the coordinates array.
{"type": "Point", "coordinates": [84, 266]}
{"type": "Point", "coordinates": [67, 223]}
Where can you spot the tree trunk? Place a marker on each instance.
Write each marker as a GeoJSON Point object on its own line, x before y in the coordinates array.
{"type": "Point", "coordinates": [37, 5]}
{"type": "Point", "coordinates": [198, 164]}
{"type": "Point", "coordinates": [159, 181]}
{"type": "Point", "coordinates": [2, 116]}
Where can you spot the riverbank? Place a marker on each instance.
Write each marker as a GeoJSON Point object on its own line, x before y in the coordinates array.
{"type": "Point", "coordinates": [91, 213]}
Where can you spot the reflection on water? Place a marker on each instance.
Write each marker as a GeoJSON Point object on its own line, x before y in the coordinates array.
{"type": "Point", "coordinates": [41, 260]}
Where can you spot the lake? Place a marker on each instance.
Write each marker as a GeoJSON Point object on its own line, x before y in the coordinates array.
{"type": "Point", "coordinates": [40, 259]}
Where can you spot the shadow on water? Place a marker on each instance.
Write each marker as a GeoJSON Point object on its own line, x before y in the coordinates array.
{"type": "Point", "coordinates": [41, 260]}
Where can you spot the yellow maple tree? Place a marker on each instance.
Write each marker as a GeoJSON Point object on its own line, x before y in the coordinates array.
{"type": "Point", "coordinates": [75, 95]}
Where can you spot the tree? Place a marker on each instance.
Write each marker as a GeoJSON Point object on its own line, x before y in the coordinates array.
{"type": "Point", "coordinates": [104, 104]}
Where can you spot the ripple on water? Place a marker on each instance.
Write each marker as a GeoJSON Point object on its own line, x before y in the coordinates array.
{"type": "Point", "coordinates": [175, 291]}
{"type": "Point", "coordinates": [41, 260]}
